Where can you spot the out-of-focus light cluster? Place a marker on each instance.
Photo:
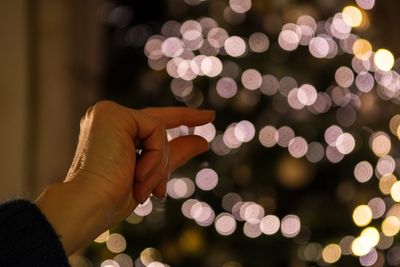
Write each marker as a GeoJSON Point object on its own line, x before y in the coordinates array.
{"type": "Point", "coordinates": [203, 48]}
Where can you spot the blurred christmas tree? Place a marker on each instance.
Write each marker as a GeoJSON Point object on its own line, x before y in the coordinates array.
{"type": "Point", "coordinates": [306, 118]}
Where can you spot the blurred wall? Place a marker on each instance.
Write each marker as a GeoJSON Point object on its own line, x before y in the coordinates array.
{"type": "Point", "coordinates": [50, 74]}
{"type": "Point", "coordinates": [13, 96]}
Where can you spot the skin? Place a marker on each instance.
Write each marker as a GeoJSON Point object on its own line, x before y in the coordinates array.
{"type": "Point", "coordinates": [107, 180]}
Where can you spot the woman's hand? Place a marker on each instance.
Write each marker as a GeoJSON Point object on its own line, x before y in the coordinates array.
{"type": "Point", "coordinates": [107, 179]}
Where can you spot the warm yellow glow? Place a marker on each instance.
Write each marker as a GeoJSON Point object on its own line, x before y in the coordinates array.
{"type": "Point", "coordinates": [398, 131]}
{"type": "Point", "coordinates": [394, 211]}
{"type": "Point", "coordinates": [360, 246]}
{"type": "Point", "coordinates": [391, 226]}
{"type": "Point", "coordinates": [362, 49]}
{"type": "Point", "coordinates": [365, 21]}
{"type": "Point", "coordinates": [394, 124]}
{"type": "Point", "coordinates": [395, 191]}
{"type": "Point", "coordinates": [191, 241]}
{"type": "Point", "coordinates": [103, 237]}
{"type": "Point", "coordinates": [386, 182]}
{"type": "Point", "coordinates": [149, 255]}
{"type": "Point", "coordinates": [381, 144]}
{"type": "Point", "coordinates": [331, 253]}
{"type": "Point", "coordinates": [371, 236]}
{"type": "Point", "coordinates": [362, 215]}
{"type": "Point", "coordinates": [384, 59]}
{"type": "Point", "coordinates": [352, 16]}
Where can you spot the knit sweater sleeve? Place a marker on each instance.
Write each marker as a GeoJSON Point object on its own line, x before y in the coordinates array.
{"type": "Point", "coordinates": [27, 238]}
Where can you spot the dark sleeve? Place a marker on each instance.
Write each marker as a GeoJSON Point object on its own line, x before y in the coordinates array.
{"type": "Point", "coordinates": [27, 238]}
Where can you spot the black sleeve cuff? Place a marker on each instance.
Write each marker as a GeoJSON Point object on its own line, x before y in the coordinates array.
{"type": "Point", "coordinates": [27, 238]}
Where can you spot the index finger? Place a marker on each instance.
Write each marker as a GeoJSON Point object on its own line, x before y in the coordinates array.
{"type": "Point", "coordinates": [173, 117]}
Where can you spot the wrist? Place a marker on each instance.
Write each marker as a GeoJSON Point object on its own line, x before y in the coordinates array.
{"type": "Point", "coordinates": [76, 215]}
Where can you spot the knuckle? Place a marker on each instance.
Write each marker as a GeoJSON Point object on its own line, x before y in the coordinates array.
{"type": "Point", "coordinates": [103, 109]}
{"type": "Point", "coordinates": [104, 106]}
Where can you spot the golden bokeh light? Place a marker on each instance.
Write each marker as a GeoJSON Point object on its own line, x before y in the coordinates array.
{"type": "Point", "coordinates": [149, 255]}
{"type": "Point", "coordinates": [395, 191]}
{"type": "Point", "coordinates": [352, 16]}
{"type": "Point", "coordinates": [394, 124]}
{"type": "Point", "coordinates": [362, 49]}
{"type": "Point", "coordinates": [371, 236]}
{"type": "Point", "coordinates": [103, 237]}
{"type": "Point", "coordinates": [331, 253]}
{"type": "Point", "coordinates": [384, 59]}
{"type": "Point", "coordinates": [293, 172]}
{"type": "Point", "coordinates": [360, 246]}
{"type": "Point", "coordinates": [390, 226]}
{"type": "Point", "coordinates": [362, 215]}
{"type": "Point", "coordinates": [380, 144]}
{"type": "Point", "coordinates": [386, 182]}
{"type": "Point", "coordinates": [191, 241]}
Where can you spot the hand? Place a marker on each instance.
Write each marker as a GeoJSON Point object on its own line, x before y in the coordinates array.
{"type": "Point", "coordinates": [107, 179]}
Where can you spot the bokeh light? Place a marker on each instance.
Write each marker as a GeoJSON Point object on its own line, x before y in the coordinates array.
{"type": "Point", "coordinates": [109, 263]}
{"type": "Point", "coordinates": [362, 215]}
{"type": "Point", "coordinates": [251, 228]}
{"type": "Point", "coordinates": [103, 237]}
{"type": "Point", "coordinates": [244, 131]}
{"type": "Point", "coordinates": [225, 224]}
{"type": "Point", "coordinates": [298, 147]}
{"type": "Point", "coordinates": [352, 16]}
{"type": "Point", "coordinates": [377, 206]}
{"type": "Point", "coordinates": [258, 42]}
{"type": "Point", "coordinates": [116, 243]}
{"type": "Point", "coordinates": [380, 143]}
{"type": "Point", "coordinates": [288, 40]}
{"type": "Point", "coordinates": [366, 4]}
{"type": "Point", "coordinates": [391, 226]}
{"type": "Point", "coordinates": [235, 46]}
{"type": "Point", "coordinates": [206, 179]}
{"type": "Point", "coordinates": [144, 209]}
{"type": "Point", "coordinates": [369, 259]}
{"type": "Point", "coordinates": [180, 188]}
{"type": "Point", "coordinates": [290, 226]}
{"type": "Point", "coordinates": [240, 6]}
{"type": "Point", "coordinates": [226, 87]}
{"type": "Point", "coordinates": [344, 76]}
{"type": "Point", "coordinates": [270, 224]}
{"type": "Point", "coordinates": [362, 49]}
{"type": "Point", "coordinates": [206, 131]}
{"type": "Point", "coordinates": [124, 260]}
{"type": "Point", "coordinates": [268, 136]}
{"type": "Point", "coordinates": [395, 191]}
{"type": "Point", "coordinates": [386, 182]}
{"type": "Point", "coordinates": [149, 255]}
{"type": "Point", "coordinates": [331, 253]}
{"type": "Point", "coordinates": [363, 171]}
{"type": "Point", "coordinates": [251, 79]}
{"type": "Point", "coordinates": [384, 59]}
